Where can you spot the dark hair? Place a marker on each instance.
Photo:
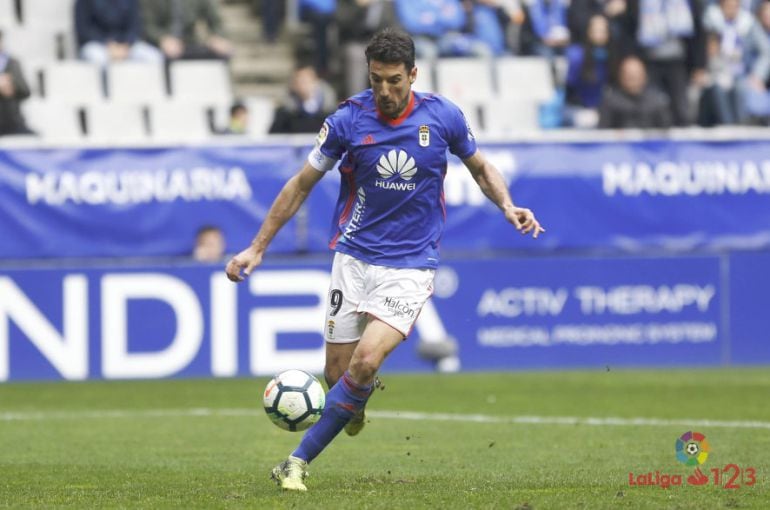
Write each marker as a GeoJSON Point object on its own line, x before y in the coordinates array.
{"type": "Point", "coordinates": [391, 46]}
{"type": "Point", "coordinates": [238, 106]}
{"type": "Point", "coordinates": [205, 229]}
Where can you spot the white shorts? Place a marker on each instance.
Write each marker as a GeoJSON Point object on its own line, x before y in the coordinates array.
{"type": "Point", "coordinates": [393, 295]}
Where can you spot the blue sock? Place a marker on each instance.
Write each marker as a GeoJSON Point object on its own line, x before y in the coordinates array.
{"type": "Point", "coordinates": [343, 401]}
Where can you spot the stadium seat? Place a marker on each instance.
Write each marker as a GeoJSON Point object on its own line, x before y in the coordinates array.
{"type": "Point", "coordinates": [504, 117]}
{"type": "Point", "coordinates": [424, 81]}
{"type": "Point", "coordinates": [56, 122]}
{"type": "Point", "coordinates": [464, 79]}
{"type": "Point", "coordinates": [178, 122]}
{"type": "Point", "coordinates": [7, 14]}
{"type": "Point", "coordinates": [59, 14]}
{"type": "Point", "coordinates": [524, 78]}
{"type": "Point", "coordinates": [36, 44]}
{"type": "Point", "coordinates": [73, 83]}
{"type": "Point", "coordinates": [136, 82]}
{"type": "Point", "coordinates": [201, 81]}
{"type": "Point", "coordinates": [116, 123]}
{"type": "Point", "coordinates": [261, 113]}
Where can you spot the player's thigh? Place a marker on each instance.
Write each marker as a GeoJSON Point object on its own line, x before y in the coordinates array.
{"type": "Point", "coordinates": [377, 341]}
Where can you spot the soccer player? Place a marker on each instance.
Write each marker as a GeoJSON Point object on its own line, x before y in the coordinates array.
{"type": "Point", "coordinates": [386, 230]}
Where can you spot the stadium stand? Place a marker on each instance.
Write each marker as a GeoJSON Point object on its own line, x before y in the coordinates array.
{"type": "Point", "coordinates": [178, 122]}
{"type": "Point", "coordinates": [7, 14]}
{"type": "Point", "coordinates": [73, 82]}
{"type": "Point", "coordinates": [136, 83]}
{"type": "Point", "coordinates": [54, 122]}
{"type": "Point", "coordinates": [115, 123]}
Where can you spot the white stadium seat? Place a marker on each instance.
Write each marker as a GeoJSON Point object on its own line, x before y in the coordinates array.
{"type": "Point", "coordinates": [55, 122]}
{"type": "Point", "coordinates": [179, 122]}
{"type": "Point", "coordinates": [464, 79]}
{"type": "Point", "coordinates": [116, 123]}
{"type": "Point", "coordinates": [73, 82]}
{"type": "Point", "coordinates": [7, 14]}
{"type": "Point", "coordinates": [136, 82]}
{"type": "Point", "coordinates": [261, 112]}
{"type": "Point", "coordinates": [505, 117]}
{"type": "Point", "coordinates": [424, 81]}
{"type": "Point", "coordinates": [201, 81]}
{"type": "Point", "coordinates": [53, 13]}
{"type": "Point", "coordinates": [524, 78]}
{"type": "Point", "coordinates": [30, 44]}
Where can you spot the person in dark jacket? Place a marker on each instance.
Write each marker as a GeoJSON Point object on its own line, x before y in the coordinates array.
{"type": "Point", "coordinates": [309, 101]}
{"type": "Point", "coordinates": [633, 103]}
{"type": "Point", "coordinates": [173, 26]}
{"type": "Point", "coordinates": [109, 31]}
{"type": "Point", "coordinates": [13, 90]}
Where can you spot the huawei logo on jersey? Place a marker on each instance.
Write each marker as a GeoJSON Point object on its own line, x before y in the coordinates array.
{"type": "Point", "coordinates": [396, 163]}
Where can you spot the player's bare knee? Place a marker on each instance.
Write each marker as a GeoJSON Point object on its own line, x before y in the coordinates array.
{"type": "Point", "coordinates": [364, 367]}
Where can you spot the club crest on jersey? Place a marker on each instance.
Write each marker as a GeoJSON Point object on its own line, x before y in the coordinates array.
{"type": "Point", "coordinates": [424, 136]}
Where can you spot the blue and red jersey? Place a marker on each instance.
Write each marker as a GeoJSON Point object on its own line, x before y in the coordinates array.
{"type": "Point", "coordinates": [391, 210]}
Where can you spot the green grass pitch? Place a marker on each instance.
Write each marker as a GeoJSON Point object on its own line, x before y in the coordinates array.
{"type": "Point", "coordinates": [528, 440]}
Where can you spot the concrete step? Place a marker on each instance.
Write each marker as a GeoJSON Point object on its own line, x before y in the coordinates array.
{"type": "Point", "coordinates": [273, 91]}
{"type": "Point", "coordinates": [266, 69]}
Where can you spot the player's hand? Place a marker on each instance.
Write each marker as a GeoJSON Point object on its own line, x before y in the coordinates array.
{"type": "Point", "coordinates": [241, 266]}
{"type": "Point", "coordinates": [524, 220]}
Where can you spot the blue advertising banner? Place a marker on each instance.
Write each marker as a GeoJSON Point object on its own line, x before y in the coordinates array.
{"type": "Point", "coordinates": [157, 321]}
{"type": "Point", "coordinates": [621, 197]}
{"type": "Point", "coordinates": [136, 202]}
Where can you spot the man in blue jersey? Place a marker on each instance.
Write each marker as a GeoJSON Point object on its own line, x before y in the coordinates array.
{"type": "Point", "coordinates": [388, 221]}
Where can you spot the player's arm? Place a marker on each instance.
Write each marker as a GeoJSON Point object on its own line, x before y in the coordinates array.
{"type": "Point", "coordinates": [284, 207]}
{"type": "Point", "coordinates": [492, 184]}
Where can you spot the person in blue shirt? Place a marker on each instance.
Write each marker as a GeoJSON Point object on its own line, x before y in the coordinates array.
{"type": "Point", "coordinates": [392, 146]}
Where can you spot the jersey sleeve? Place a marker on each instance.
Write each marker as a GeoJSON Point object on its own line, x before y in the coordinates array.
{"type": "Point", "coordinates": [330, 144]}
{"type": "Point", "coordinates": [462, 142]}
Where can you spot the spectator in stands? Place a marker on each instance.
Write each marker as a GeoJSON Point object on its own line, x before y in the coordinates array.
{"type": "Point", "coordinates": [309, 101]}
{"type": "Point", "coordinates": [633, 103]}
{"type": "Point", "coordinates": [13, 90]}
{"type": "Point", "coordinates": [510, 16]}
{"type": "Point", "coordinates": [357, 21]}
{"type": "Point", "coordinates": [493, 19]}
{"type": "Point", "coordinates": [238, 122]}
{"type": "Point", "coordinates": [439, 29]}
{"type": "Point", "coordinates": [173, 26]}
{"type": "Point", "coordinates": [320, 15]}
{"type": "Point", "coordinates": [616, 12]}
{"type": "Point", "coordinates": [744, 44]}
{"type": "Point", "coordinates": [545, 32]}
{"type": "Point", "coordinates": [108, 31]}
{"type": "Point", "coordinates": [589, 67]}
{"type": "Point", "coordinates": [669, 36]}
{"type": "Point", "coordinates": [209, 244]}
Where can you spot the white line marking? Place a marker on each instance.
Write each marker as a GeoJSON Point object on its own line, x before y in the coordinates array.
{"type": "Point", "coordinates": [388, 415]}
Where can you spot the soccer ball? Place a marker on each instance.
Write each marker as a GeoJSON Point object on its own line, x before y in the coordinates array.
{"type": "Point", "coordinates": [294, 400]}
{"type": "Point", "coordinates": [692, 448]}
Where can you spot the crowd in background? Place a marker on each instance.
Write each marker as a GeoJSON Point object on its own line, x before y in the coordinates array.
{"type": "Point", "coordinates": [625, 63]}
{"type": "Point", "coordinates": [629, 63]}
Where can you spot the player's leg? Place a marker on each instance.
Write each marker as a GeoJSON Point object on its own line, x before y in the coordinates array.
{"type": "Point", "coordinates": [349, 395]}
{"type": "Point", "coordinates": [337, 360]}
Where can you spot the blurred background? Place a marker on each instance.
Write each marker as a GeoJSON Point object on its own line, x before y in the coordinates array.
{"type": "Point", "coordinates": [143, 141]}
